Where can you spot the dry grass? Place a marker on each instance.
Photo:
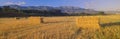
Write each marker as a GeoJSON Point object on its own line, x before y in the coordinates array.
{"type": "Point", "coordinates": [12, 23]}
{"type": "Point", "coordinates": [110, 32]}
{"type": "Point", "coordinates": [65, 28]}
{"type": "Point", "coordinates": [57, 28]}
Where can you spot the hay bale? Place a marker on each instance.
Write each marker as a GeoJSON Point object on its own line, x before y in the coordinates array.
{"type": "Point", "coordinates": [41, 20]}
{"type": "Point", "coordinates": [34, 20]}
{"type": "Point", "coordinates": [88, 22]}
{"type": "Point", "coordinates": [17, 18]}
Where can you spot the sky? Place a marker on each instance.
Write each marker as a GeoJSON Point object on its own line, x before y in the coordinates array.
{"type": "Point", "coordinates": [101, 5]}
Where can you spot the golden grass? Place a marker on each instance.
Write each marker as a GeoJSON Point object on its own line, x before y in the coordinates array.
{"type": "Point", "coordinates": [109, 32]}
{"type": "Point", "coordinates": [58, 28]}
{"type": "Point", "coordinates": [11, 23]}
{"type": "Point", "coordinates": [54, 28]}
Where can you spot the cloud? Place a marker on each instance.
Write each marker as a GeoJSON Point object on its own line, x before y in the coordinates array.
{"type": "Point", "coordinates": [15, 3]}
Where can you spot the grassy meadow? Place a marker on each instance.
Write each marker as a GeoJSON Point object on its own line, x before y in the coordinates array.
{"type": "Point", "coordinates": [63, 27]}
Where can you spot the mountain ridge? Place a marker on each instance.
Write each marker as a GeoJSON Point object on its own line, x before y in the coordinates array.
{"type": "Point", "coordinates": [14, 10]}
{"type": "Point", "coordinates": [64, 9]}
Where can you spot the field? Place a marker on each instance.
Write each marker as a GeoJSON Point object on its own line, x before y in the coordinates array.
{"type": "Point", "coordinates": [63, 27]}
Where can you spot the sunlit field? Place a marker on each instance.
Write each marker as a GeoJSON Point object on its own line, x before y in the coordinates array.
{"type": "Point", "coordinates": [64, 27]}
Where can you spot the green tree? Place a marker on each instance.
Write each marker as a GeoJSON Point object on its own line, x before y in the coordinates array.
{"type": "Point", "coordinates": [0, 9]}
{"type": "Point", "coordinates": [9, 10]}
{"type": "Point", "coordinates": [101, 13]}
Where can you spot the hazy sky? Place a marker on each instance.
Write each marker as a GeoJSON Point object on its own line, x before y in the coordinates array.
{"type": "Point", "coordinates": [91, 4]}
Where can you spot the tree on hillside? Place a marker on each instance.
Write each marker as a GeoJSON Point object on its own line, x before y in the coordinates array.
{"type": "Point", "coordinates": [101, 13]}
{"type": "Point", "coordinates": [83, 14]}
{"type": "Point", "coordinates": [7, 9]}
{"type": "Point", "coordinates": [10, 12]}
{"type": "Point", "coordinates": [0, 9]}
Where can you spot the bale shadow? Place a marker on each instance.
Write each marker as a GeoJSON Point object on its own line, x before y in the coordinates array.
{"type": "Point", "coordinates": [56, 22]}
{"type": "Point", "coordinates": [18, 18]}
{"type": "Point", "coordinates": [110, 24]}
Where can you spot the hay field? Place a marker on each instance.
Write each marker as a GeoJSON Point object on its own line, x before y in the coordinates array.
{"type": "Point", "coordinates": [58, 28]}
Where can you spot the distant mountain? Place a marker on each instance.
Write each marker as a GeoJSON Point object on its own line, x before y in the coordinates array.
{"type": "Point", "coordinates": [64, 9]}
{"type": "Point", "coordinates": [31, 7]}
{"type": "Point", "coordinates": [11, 10]}
{"type": "Point", "coordinates": [71, 9]}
